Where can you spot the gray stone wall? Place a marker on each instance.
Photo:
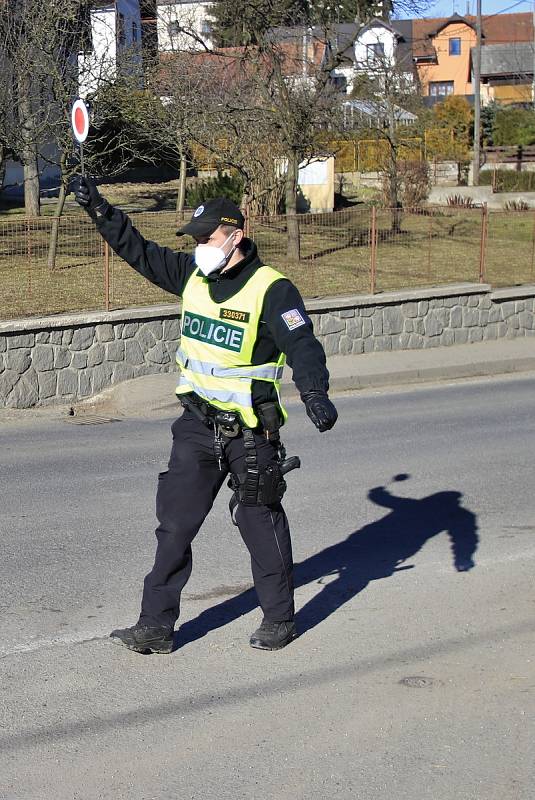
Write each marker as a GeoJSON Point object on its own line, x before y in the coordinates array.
{"type": "Point", "coordinates": [76, 362]}
{"type": "Point", "coordinates": [72, 357]}
{"type": "Point", "coordinates": [427, 322]}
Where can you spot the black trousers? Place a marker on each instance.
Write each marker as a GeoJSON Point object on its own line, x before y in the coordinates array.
{"type": "Point", "coordinates": [186, 493]}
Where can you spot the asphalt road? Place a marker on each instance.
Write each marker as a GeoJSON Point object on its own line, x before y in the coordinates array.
{"type": "Point", "coordinates": [414, 537]}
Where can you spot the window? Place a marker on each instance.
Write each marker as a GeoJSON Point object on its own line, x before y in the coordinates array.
{"type": "Point", "coordinates": [173, 28]}
{"type": "Point", "coordinates": [440, 88]}
{"type": "Point", "coordinates": [340, 83]}
{"type": "Point", "coordinates": [206, 27]}
{"type": "Point", "coordinates": [134, 31]}
{"type": "Point", "coordinates": [455, 47]}
{"type": "Point", "coordinates": [375, 51]}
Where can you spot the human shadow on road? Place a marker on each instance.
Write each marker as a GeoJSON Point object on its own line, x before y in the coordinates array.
{"type": "Point", "coordinates": [370, 553]}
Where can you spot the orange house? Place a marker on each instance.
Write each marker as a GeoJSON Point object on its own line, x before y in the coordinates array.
{"type": "Point", "coordinates": [443, 62]}
{"type": "Point", "coordinates": [442, 49]}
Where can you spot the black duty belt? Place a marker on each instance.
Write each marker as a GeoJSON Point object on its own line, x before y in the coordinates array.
{"type": "Point", "coordinates": [199, 408]}
{"type": "Point", "coordinates": [230, 422]}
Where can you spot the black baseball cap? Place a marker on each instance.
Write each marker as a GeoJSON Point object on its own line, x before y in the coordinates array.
{"type": "Point", "coordinates": [210, 215]}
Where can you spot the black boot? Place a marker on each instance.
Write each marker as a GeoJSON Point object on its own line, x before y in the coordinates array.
{"type": "Point", "coordinates": [145, 638]}
{"type": "Point", "coordinates": [273, 635]}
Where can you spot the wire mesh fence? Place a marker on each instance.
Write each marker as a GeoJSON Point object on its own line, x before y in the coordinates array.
{"type": "Point", "coordinates": [29, 286]}
{"type": "Point", "coordinates": [84, 274]}
{"type": "Point", "coordinates": [357, 250]}
{"type": "Point", "coordinates": [334, 250]}
{"type": "Point", "coordinates": [427, 246]}
{"type": "Point", "coordinates": [510, 248]}
{"type": "Point", "coordinates": [127, 288]}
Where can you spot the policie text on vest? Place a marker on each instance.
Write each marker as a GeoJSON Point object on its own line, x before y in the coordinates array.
{"type": "Point", "coordinates": [219, 334]}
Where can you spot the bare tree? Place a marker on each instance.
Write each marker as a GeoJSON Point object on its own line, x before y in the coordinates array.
{"type": "Point", "coordinates": [385, 106]}
{"type": "Point", "coordinates": [263, 106]}
{"type": "Point", "coordinates": [282, 100]}
{"type": "Point", "coordinates": [233, 128]}
{"type": "Point", "coordinates": [37, 40]}
{"type": "Point", "coordinates": [212, 114]}
{"type": "Point", "coordinates": [179, 87]}
{"type": "Point", "coordinates": [289, 72]}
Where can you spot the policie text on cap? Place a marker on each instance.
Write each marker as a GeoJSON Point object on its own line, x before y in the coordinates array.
{"type": "Point", "coordinates": [210, 215]}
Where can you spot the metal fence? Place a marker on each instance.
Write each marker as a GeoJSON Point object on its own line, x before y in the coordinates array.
{"type": "Point", "coordinates": [358, 250]}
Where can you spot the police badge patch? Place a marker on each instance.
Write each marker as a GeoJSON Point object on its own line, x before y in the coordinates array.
{"type": "Point", "coordinates": [198, 211]}
{"type": "Point", "coordinates": [293, 319]}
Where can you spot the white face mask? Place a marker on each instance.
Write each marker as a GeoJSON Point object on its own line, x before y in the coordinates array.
{"type": "Point", "coordinates": [209, 258]}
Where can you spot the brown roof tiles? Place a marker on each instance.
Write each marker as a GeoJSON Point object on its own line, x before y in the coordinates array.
{"type": "Point", "coordinates": [496, 29]}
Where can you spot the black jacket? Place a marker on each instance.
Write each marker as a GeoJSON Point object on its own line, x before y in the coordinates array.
{"type": "Point", "coordinates": [170, 271]}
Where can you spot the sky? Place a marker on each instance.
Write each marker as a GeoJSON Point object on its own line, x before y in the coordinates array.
{"type": "Point", "coordinates": [444, 8]}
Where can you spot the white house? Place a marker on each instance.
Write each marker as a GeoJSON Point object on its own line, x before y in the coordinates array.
{"type": "Point", "coordinates": [378, 46]}
{"type": "Point", "coordinates": [115, 43]}
{"type": "Point", "coordinates": [184, 25]}
{"type": "Point", "coordinates": [375, 45]}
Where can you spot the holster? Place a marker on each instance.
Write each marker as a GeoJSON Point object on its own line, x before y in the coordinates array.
{"type": "Point", "coordinates": [261, 486]}
{"type": "Point", "coordinates": [258, 485]}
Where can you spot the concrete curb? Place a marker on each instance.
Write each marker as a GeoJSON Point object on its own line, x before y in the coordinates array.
{"type": "Point", "coordinates": [153, 395]}
{"type": "Point", "coordinates": [424, 375]}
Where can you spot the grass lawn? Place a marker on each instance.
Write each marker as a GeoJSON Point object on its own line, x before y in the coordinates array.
{"type": "Point", "coordinates": [431, 247]}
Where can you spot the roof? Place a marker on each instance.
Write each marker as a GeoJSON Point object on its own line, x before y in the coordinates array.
{"type": "Point", "coordinates": [404, 47]}
{"type": "Point", "coordinates": [232, 64]}
{"type": "Point", "coordinates": [403, 27]}
{"type": "Point", "coordinates": [496, 29]}
{"type": "Point", "coordinates": [453, 20]}
{"type": "Point", "coordinates": [506, 59]}
{"type": "Point", "coordinates": [377, 22]}
{"type": "Point", "coordinates": [371, 108]}
{"type": "Point", "coordinates": [225, 69]}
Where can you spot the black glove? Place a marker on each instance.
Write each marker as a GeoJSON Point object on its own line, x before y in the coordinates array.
{"type": "Point", "coordinates": [320, 409]}
{"type": "Point", "coordinates": [86, 193]}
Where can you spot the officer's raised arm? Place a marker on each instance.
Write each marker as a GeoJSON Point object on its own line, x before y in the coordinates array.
{"type": "Point", "coordinates": [160, 265]}
{"type": "Point", "coordinates": [292, 331]}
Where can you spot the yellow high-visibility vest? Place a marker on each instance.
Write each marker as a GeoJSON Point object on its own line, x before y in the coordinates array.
{"type": "Point", "coordinates": [217, 343]}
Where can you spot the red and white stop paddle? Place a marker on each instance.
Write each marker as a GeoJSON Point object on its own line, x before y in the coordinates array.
{"type": "Point", "coordinates": [80, 126]}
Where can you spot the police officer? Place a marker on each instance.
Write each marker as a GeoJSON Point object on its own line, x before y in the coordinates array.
{"type": "Point", "coordinates": [241, 320]}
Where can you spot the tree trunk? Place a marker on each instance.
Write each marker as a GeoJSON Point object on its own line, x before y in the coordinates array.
{"type": "Point", "coordinates": [395, 204]}
{"type": "Point", "coordinates": [29, 148]}
{"type": "Point", "coordinates": [54, 230]}
{"type": "Point", "coordinates": [393, 183]}
{"type": "Point", "coordinates": [293, 250]}
{"type": "Point", "coordinates": [246, 209]}
{"type": "Point", "coordinates": [32, 205]}
{"type": "Point", "coordinates": [181, 197]}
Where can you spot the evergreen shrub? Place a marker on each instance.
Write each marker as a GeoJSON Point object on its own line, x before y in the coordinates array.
{"type": "Point", "coordinates": [222, 185]}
